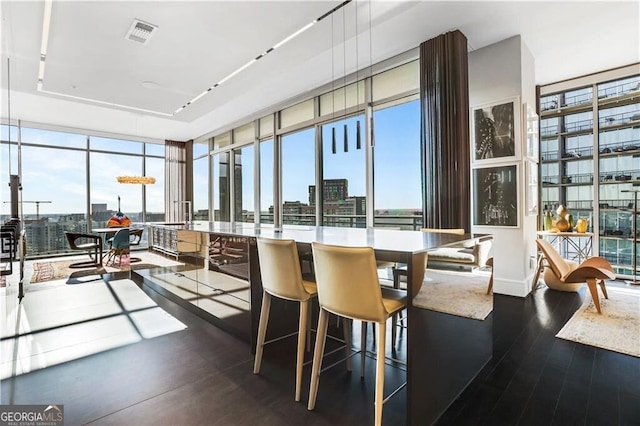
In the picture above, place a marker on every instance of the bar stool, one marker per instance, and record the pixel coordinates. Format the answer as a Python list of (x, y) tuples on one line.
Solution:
[(348, 286), (282, 278)]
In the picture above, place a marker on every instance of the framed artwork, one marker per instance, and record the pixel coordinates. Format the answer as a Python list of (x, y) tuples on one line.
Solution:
[(495, 196), (531, 176), (531, 132), (496, 131)]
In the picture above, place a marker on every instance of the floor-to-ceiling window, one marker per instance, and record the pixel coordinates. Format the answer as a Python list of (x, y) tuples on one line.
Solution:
[(298, 177), (396, 166), (221, 187), (107, 194), (69, 183), (590, 148), (201, 180), (344, 173), (243, 164), (266, 181), (54, 197)]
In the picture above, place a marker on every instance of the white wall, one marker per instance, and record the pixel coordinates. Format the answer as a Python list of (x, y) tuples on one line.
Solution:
[(499, 72)]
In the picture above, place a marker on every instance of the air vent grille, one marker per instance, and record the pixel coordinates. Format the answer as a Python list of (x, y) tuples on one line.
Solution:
[(141, 31)]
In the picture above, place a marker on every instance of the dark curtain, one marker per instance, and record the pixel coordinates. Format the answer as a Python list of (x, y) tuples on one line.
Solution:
[(444, 101), (178, 185)]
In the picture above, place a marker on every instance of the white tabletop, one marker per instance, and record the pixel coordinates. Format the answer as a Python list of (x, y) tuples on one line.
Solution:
[(378, 238)]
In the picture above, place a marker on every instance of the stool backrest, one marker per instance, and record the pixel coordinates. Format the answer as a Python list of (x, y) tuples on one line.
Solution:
[(347, 281), (280, 269)]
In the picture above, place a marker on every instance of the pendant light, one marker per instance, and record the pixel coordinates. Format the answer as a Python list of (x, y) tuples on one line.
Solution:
[(333, 140), (346, 139)]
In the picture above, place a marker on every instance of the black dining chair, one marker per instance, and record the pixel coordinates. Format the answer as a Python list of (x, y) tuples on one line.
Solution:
[(90, 243)]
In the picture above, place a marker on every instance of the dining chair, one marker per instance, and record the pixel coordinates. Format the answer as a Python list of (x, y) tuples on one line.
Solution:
[(119, 246), (348, 286), (90, 243)]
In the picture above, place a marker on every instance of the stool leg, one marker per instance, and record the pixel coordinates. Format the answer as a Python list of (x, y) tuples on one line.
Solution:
[(394, 330), (346, 326), (302, 336), (310, 310), (363, 347), (262, 330), (490, 287), (321, 335), (382, 330)]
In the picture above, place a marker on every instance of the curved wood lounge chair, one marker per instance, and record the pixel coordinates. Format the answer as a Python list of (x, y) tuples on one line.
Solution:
[(592, 271)]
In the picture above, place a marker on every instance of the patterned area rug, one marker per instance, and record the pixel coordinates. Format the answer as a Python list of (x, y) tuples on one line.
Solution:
[(58, 270), (455, 293), (616, 329)]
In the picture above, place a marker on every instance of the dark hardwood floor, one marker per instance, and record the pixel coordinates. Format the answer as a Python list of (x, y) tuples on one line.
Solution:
[(202, 375), (535, 378)]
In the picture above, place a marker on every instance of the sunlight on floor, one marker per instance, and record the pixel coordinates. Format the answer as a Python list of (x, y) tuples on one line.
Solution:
[(62, 322)]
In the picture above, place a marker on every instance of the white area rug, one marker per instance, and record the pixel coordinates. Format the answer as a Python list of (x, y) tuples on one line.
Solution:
[(616, 329), (456, 293)]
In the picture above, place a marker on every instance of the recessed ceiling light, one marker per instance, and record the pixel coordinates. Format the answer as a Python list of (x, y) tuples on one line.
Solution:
[(150, 85)]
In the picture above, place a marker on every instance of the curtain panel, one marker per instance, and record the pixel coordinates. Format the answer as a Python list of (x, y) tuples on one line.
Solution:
[(178, 187), (444, 132)]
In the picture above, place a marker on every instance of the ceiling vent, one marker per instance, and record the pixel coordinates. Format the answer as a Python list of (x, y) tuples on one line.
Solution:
[(141, 31)]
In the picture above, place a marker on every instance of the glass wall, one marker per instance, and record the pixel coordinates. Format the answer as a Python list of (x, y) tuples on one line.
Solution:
[(344, 174), (154, 194), (201, 180), (58, 206), (288, 166), (266, 181), (581, 132), (109, 196), (396, 166), (59, 169), (221, 187), (298, 178), (243, 166)]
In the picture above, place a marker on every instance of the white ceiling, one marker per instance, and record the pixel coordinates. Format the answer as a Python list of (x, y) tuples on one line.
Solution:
[(94, 76)]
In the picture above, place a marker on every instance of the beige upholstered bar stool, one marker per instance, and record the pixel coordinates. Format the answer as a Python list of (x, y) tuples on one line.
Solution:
[(348, 286), (282, 277)]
